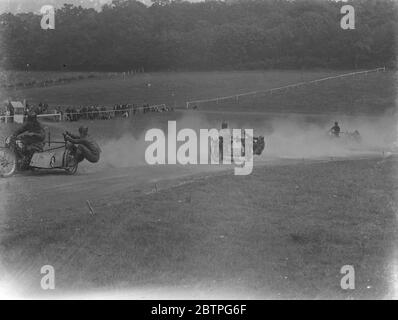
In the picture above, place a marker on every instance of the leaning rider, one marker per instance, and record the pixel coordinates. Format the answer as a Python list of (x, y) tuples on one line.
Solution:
[(32, 134), (335, 130), (83, 146)]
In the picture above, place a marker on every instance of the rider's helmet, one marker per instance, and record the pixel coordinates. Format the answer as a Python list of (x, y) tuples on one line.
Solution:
[(224, 125), (336, 123)]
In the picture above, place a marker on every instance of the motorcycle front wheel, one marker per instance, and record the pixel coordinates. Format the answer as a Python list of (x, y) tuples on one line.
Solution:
[(8, 163)]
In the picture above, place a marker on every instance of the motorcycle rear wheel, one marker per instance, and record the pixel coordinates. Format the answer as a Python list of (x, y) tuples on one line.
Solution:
[(8, 163)]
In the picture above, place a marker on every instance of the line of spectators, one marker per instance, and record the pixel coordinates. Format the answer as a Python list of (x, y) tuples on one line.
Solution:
[(107, 113)]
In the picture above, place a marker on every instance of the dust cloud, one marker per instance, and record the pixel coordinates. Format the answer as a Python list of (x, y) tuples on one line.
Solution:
[(126, 151), (296, 137), (286, 136)]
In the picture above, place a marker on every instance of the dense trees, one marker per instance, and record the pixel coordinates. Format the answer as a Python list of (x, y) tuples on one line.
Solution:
[(175, 35)]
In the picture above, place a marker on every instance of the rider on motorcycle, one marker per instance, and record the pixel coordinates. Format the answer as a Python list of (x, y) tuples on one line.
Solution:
[(335, 130), (83, 146), (32, 134)]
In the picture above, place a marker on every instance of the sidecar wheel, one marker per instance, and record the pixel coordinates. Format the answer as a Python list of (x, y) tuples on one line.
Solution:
[(8, 163), (69, 169)]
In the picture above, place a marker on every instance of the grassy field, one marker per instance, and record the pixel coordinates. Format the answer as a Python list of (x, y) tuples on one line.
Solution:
[(370, 94), (164, 88), (373, 94), (36, 78)]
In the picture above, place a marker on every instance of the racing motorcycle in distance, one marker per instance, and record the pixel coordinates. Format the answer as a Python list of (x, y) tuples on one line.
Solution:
[(258, 145), (14, 157), (217, 147), (346, 136)]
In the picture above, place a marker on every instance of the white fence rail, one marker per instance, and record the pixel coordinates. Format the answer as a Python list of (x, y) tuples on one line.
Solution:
[(294, 85)]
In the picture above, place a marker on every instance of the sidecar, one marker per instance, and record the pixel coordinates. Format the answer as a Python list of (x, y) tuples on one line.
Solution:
[(53, 159), (12, 158)]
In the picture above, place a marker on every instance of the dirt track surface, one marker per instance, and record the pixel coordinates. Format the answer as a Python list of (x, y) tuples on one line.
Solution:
[(44, 192)]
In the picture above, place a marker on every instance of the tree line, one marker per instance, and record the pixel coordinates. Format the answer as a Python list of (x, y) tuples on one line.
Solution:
[(211, 35)]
